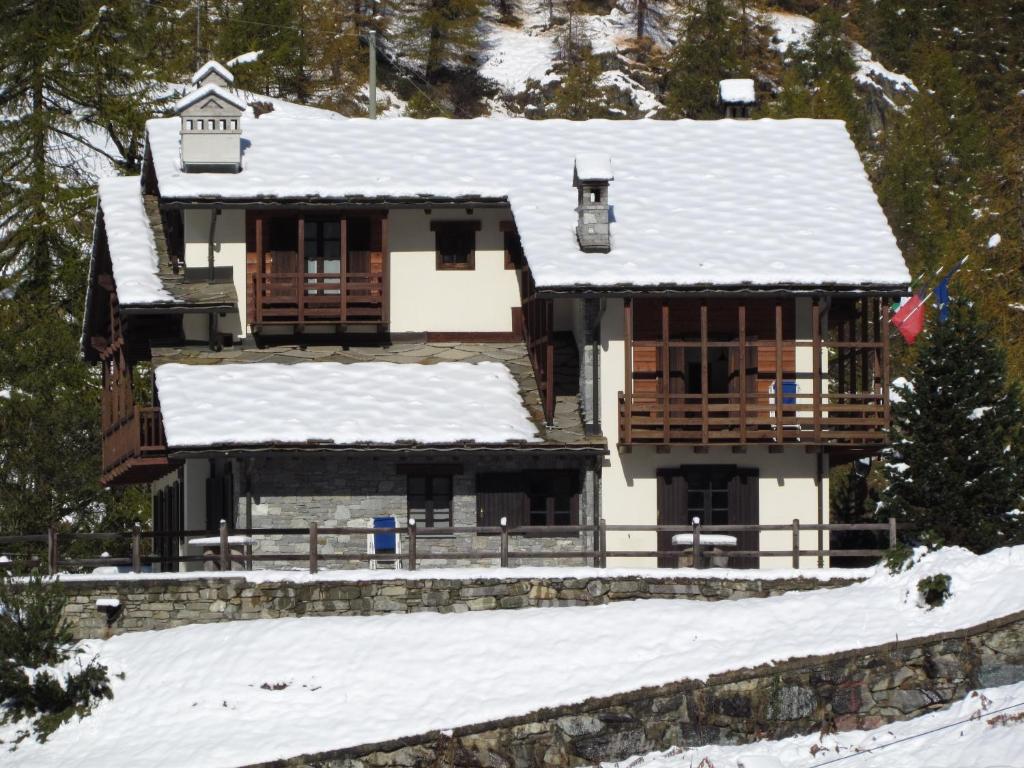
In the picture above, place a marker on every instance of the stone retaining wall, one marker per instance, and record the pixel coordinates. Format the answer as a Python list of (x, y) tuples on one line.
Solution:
[(160, 603), (864, 688)]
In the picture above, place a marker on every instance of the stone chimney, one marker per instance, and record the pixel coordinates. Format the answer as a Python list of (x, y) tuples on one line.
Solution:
[(591, 176), (211, 123), (737, 97)]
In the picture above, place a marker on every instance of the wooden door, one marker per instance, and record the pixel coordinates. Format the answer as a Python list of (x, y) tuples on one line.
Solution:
[(498, 495), (672, 494)]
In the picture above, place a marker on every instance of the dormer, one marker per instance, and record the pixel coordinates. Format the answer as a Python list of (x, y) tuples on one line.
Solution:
[(737, 97), (211, 123), (591, 176)]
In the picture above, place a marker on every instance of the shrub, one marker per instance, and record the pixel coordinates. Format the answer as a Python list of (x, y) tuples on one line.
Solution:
[(897, 558), (934, 589), (33, 634)]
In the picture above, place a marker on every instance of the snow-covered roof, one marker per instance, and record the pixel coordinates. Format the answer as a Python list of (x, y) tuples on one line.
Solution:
[(199, 94), (343, 404), (133, 255), (593, 166), (213, 66), (759, 202), (737, 91)]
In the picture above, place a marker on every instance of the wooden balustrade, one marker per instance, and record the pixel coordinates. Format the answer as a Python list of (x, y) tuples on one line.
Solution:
[(298, 298)]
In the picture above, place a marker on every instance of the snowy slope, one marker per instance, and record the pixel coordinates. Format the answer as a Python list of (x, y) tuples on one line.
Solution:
[(977, 731), (195, 696)]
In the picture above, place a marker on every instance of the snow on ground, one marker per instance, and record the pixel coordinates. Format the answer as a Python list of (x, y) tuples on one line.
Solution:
[(243, 692), (793, 30), (517, 54), (341, 403), (974, 732), (476, 574)]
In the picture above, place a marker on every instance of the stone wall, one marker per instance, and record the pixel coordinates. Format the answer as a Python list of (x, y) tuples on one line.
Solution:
[(864, 689), (290, 492), (160, 603)]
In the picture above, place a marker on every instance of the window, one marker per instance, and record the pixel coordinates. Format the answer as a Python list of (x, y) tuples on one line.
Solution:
[(707, 496), (223, 125), (534, 498), (188, 125), (429, 499), (234, 125), (199, 125), (455, 243)]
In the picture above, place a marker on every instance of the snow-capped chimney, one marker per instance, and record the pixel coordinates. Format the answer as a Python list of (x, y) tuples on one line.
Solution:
[(211, 123), (591, 175), (737, 97)]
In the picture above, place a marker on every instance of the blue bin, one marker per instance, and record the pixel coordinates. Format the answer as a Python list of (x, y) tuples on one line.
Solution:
[(384, 542)]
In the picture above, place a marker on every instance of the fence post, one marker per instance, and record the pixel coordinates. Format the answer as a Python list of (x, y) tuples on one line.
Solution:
[(51, 550), (504, 542), (412, 544), (892, 533), (698, 559), (314, 548), (602, 527), (796, 542), (137, 548), (225, 553)]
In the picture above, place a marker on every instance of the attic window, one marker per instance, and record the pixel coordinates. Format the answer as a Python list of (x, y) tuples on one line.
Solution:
[(455, 243)]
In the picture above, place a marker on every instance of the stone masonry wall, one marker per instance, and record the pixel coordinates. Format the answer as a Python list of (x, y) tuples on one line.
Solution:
[(160, 603), (338, 492), (863, 689)]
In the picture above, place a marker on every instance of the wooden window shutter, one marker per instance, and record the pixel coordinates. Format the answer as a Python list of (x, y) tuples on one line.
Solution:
[(743, 510), (498, 495), (672, 489)]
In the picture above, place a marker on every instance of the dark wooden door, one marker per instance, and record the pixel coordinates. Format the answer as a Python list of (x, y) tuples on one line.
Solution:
[(672, 488), (498, 495)]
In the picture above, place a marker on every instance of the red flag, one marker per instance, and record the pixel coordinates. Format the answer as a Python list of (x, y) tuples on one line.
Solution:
[(909, 318)]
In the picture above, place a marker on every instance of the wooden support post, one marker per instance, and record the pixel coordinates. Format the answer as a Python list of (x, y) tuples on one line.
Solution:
[(892, 533), (796, 542), (602, 543), (816, 366), (343, 232), (549, 368), (627, 326), (504, 542), (704, 426), (314, 547), (865, 373), (886, 406), (137, 548), (52, 547), (412, 543), (778, 372), (665, 376), (698, 559), (225, 553), (742, 383)]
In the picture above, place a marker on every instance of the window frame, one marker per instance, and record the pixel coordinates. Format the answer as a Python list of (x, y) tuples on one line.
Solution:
[(425, 516), (455, 227)]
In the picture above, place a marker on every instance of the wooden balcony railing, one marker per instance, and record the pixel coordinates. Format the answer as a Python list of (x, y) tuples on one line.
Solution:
[(828, 418), (298, 298), (135, 448)]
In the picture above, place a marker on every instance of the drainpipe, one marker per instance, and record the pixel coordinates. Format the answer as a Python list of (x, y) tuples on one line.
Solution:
[(213, 233)]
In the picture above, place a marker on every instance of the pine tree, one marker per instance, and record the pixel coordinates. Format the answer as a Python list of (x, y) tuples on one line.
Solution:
[(443, 36), (578, 95), (955, 467)]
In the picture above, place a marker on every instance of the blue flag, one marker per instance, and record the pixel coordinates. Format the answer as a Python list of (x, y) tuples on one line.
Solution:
[(942, 298)]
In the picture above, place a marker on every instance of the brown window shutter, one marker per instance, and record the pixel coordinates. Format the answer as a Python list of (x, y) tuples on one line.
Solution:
[(672, 488), (743, 510), (498, 495)]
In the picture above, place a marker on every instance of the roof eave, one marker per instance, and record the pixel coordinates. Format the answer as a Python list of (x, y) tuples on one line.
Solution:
[(388, 449), (737, 290)]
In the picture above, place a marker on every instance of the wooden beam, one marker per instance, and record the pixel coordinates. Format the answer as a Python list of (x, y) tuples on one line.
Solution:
[(300, 303), (627, 333), (665, 374), (257, 300), (663, 448), (816, 365), (343, 255), (778, 372), (886, 405), (865, 305), (386, 267), (704, 428), (742, 324)]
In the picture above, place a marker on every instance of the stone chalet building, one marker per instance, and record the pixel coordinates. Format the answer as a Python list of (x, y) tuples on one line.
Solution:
[(301, 317)]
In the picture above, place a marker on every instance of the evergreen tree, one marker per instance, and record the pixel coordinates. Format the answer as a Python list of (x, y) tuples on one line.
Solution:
[(578, 95), (443, 36), (955, 467)]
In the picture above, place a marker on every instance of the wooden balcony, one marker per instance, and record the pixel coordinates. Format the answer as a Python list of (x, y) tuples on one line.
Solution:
[(135, 448), (301, 298), (736, 372)]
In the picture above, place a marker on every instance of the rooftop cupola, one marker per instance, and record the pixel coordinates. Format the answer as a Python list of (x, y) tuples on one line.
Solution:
[(591, 176), (737, 97), (211, 123)]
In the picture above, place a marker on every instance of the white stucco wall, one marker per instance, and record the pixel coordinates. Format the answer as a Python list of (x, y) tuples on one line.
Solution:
[(424, 298), (629, 490), (228, 251)]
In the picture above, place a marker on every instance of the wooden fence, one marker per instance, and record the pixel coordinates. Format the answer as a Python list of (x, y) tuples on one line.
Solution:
[(229, 552)]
